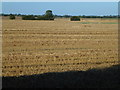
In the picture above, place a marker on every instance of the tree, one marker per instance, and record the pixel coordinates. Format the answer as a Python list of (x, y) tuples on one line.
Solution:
[(49, 15), (12, 16), (75, 18)]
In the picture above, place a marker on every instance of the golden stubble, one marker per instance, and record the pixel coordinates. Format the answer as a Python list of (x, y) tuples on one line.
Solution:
[(35, 47)]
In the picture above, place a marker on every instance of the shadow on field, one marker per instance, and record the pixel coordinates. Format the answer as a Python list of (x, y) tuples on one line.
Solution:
[(100, 78)]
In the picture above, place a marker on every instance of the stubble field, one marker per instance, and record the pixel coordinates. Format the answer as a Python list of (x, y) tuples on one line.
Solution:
[(36, 47)]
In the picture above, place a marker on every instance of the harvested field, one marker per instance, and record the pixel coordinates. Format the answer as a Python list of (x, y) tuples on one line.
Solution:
[(36, 47)]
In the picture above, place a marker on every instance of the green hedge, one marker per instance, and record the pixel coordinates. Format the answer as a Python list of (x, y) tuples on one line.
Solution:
[(31, 17), (12, 17), (44, 18), (28, 17), (75, 18)]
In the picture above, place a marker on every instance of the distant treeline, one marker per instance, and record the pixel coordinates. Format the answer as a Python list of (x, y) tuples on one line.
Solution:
[(83, 16), (61, 16), (47, 16)]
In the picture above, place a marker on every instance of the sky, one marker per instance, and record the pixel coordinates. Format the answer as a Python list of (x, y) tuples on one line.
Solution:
[(60, 0), (61, 8)]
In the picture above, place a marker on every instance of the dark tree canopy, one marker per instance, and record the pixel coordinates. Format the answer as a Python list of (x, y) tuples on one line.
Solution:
[(49, 15), (12, 16), (75, 18), (49, 12)]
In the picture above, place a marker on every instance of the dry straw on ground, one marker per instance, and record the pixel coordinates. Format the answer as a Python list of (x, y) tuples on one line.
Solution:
[(35, 47)]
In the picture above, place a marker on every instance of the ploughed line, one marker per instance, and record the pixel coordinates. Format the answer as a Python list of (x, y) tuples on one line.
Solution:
[(45, 65), (27, 50)]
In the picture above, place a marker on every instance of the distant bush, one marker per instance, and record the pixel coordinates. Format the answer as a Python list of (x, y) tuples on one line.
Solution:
[(28, 17), (44, 18), (48, 18), (75, 18), (12, 16), (40, 17)]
